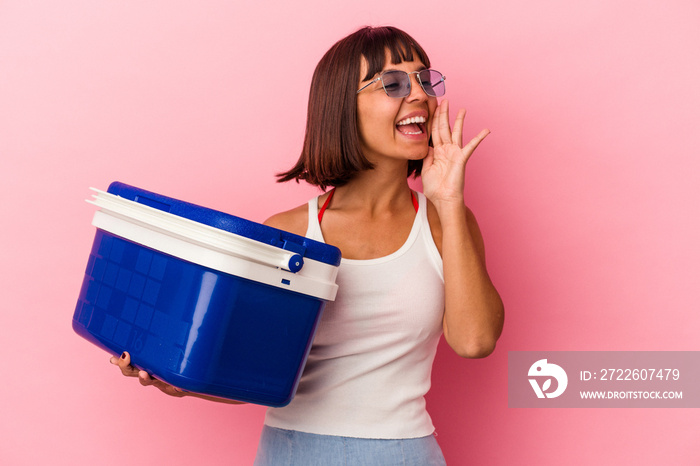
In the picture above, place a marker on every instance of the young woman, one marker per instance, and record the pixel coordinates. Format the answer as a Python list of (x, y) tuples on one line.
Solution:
[(413, 263)]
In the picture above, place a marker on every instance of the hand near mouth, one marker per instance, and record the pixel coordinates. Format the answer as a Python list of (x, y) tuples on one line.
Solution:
[(444, 166)]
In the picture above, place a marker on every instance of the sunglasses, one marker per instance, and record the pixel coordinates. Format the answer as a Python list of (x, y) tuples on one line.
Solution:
[(397, 83)]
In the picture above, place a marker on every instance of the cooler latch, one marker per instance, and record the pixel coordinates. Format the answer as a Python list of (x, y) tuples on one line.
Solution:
[(296, 262)]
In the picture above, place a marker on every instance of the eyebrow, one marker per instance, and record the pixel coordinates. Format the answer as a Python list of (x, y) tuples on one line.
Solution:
[(421, 68), (377, 74)]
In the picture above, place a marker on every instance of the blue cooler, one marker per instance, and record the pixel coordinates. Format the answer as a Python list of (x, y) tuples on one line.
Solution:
[(206, 301)]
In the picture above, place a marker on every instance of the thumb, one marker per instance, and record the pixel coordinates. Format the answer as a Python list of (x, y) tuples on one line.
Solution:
[(428, 160), (124, 364)]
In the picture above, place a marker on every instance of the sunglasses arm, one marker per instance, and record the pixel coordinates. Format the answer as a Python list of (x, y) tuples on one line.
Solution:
[(369, 84)]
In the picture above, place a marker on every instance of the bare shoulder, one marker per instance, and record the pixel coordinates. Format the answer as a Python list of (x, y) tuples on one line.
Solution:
[(294, 221), (436, 227)]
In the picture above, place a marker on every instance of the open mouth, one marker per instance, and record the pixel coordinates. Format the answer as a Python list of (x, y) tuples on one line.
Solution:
[(411, 126)]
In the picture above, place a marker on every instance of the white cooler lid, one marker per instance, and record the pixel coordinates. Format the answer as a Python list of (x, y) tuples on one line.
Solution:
[(212, 247)]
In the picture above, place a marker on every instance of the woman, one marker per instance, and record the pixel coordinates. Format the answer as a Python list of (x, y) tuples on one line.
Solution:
[(413, 264)]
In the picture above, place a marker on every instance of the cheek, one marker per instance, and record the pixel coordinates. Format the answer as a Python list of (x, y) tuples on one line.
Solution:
[(432, 107), (367, 129), (376, 123)]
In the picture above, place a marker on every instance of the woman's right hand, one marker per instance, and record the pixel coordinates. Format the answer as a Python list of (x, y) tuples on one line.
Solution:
[(124, 363)]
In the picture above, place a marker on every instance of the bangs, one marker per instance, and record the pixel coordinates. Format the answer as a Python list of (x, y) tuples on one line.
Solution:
[(401, 47)]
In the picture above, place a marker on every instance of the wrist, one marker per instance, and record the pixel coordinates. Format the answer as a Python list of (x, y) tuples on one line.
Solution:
[(447, 197), (449, 206)]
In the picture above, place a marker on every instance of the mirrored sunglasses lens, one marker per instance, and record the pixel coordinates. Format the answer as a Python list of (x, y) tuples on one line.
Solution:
[(432, 82), (396, 83)]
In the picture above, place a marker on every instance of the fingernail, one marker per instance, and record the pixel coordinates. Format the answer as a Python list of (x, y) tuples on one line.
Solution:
[(124, 355)]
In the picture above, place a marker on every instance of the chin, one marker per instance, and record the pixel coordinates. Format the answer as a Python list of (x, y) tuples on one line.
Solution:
[(418, 155)]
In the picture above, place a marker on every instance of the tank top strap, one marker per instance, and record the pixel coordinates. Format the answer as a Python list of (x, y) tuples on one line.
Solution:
[(427, 234), (313, 228)]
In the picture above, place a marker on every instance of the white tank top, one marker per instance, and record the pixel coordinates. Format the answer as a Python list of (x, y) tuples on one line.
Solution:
[(370, 363)]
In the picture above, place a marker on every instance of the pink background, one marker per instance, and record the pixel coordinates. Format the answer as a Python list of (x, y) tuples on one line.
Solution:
[(586, 192)]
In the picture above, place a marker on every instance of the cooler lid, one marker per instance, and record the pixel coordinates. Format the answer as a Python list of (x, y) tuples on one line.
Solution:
[(306, 247)]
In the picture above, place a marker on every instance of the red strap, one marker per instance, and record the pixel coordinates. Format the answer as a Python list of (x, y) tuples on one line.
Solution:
[(325, 205), (415, 200), (328, 201)]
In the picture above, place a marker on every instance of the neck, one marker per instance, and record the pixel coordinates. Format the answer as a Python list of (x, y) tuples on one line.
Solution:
[(378, 190)]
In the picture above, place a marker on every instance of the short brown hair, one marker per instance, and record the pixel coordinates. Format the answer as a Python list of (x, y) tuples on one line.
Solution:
[(331, 155)]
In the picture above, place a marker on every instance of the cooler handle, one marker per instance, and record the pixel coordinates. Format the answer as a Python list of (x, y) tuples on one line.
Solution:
[(196, 232)]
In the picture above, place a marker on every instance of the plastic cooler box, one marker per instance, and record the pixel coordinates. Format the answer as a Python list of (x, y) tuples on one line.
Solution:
[(203, 300)]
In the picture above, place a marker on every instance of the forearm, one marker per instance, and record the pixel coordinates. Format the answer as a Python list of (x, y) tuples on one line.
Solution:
[(473, 317)]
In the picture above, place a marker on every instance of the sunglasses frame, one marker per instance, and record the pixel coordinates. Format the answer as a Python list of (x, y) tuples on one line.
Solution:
[(379, 78)]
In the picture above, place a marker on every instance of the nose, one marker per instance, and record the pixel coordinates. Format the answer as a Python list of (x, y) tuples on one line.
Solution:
[(417, 92)]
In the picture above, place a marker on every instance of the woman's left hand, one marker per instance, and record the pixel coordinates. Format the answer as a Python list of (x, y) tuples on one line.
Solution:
[(444, 166), (473, 318)]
